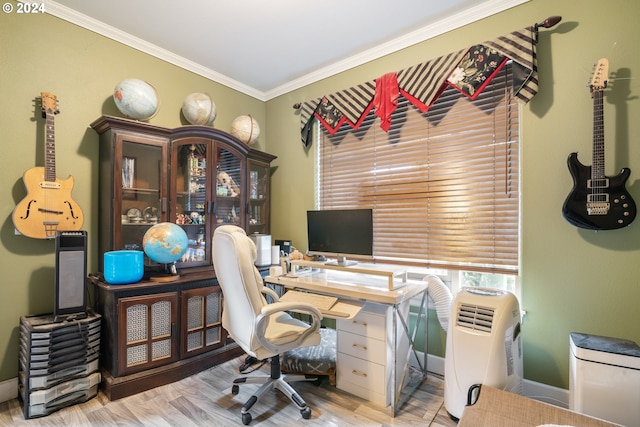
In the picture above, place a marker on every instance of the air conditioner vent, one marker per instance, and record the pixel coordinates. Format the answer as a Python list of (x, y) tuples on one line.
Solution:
[(475, 317)]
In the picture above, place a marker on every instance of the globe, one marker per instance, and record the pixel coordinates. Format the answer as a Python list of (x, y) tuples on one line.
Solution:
[(165, 242), (199, 109), (246, 129), (136, 99)]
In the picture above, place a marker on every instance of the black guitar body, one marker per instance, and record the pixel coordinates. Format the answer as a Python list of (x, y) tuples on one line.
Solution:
[(621, 207)]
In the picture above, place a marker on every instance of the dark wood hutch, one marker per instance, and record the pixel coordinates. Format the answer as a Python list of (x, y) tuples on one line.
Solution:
[(159, 331)]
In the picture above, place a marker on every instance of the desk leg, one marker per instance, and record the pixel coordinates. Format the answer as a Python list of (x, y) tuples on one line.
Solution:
[(408, 378)]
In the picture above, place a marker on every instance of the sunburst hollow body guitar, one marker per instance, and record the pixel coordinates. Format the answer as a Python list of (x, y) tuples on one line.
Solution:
[(598, 202), (48, 206)]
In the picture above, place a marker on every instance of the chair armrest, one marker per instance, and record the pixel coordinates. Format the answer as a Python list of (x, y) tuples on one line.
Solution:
[(283, 307), (270, 292)]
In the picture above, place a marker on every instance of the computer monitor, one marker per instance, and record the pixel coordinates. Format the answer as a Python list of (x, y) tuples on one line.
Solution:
[(340, 233)]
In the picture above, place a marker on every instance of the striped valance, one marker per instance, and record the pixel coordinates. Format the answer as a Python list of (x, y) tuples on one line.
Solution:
[(468, 70)]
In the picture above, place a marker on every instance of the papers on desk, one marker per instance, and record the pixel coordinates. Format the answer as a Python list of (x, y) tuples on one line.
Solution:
[(329, 306)]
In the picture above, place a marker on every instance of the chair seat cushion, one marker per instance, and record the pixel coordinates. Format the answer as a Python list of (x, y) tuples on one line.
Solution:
[(315, 360)]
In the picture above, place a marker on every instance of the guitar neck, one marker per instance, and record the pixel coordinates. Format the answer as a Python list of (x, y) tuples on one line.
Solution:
[(597, 165), (50, 149)]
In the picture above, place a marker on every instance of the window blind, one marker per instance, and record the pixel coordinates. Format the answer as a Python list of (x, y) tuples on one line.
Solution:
[(443, 185)]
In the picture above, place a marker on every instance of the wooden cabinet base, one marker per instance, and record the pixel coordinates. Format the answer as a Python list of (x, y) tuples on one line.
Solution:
[(117, 388)]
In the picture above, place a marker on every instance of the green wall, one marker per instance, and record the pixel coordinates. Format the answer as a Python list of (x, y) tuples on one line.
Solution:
[(572, 280), (42, 53)]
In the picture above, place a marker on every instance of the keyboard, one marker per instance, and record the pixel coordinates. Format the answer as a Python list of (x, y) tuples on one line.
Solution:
[(321, 302)]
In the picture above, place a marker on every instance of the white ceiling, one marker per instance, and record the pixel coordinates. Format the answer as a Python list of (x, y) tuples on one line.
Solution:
[(265, 48)]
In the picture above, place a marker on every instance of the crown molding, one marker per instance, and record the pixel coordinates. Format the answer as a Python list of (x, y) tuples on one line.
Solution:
[(84, 21), (465, 17), (443, 26)]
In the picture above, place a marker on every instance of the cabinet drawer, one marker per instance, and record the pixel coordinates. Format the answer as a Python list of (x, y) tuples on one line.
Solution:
[(364, 379), (365, 323), (363, 347), (369, 395)]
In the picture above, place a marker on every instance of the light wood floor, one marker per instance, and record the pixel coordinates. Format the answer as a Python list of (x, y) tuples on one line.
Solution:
[(205, 399)]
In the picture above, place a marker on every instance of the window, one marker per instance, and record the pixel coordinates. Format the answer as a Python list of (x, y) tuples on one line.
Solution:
[(443, 185)]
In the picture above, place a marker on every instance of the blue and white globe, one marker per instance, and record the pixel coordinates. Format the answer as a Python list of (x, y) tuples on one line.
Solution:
[(165, 243), (136, 99), (199, 109)]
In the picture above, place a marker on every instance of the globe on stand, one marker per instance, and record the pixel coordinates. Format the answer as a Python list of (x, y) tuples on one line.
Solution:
[(199, 109), (136, 99), (165, 243), (246, 129)]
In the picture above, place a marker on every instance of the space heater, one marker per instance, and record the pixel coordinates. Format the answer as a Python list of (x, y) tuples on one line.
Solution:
[(483, 345)]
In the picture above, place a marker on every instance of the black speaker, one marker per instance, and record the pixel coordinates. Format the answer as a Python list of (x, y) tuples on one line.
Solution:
[(71, 275)]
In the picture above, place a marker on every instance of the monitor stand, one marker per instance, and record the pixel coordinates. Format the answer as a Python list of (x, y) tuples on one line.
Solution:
[(341, 261)]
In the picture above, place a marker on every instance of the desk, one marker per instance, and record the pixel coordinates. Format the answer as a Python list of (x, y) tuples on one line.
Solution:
[(499, 408), (375, 347)]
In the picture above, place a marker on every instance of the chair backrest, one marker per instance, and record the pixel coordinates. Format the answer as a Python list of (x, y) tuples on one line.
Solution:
[(234, 255)]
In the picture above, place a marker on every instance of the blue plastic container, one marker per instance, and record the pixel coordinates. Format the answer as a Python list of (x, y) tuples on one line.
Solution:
[(123, 267)]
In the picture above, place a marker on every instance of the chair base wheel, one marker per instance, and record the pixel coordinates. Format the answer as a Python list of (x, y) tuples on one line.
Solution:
[(235, 389), (306, 413), (246, 418)]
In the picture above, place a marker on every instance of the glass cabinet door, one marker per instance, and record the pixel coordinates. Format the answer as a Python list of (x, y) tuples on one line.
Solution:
[(229, 205), (140, 183), (258, 198), (194, 176), (192, 198)]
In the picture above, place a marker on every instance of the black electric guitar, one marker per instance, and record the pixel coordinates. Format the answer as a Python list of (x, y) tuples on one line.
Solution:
[(598, 202), (48, 206)]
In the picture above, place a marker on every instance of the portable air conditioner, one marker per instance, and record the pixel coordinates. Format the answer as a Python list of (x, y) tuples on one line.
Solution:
[(483, 345)]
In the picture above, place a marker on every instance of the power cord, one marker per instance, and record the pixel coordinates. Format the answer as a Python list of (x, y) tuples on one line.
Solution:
[(253, 363)]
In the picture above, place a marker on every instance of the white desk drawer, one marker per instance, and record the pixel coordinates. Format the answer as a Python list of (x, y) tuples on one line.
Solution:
[(365, 323), (363, 347), (363, 374), (367, 394)]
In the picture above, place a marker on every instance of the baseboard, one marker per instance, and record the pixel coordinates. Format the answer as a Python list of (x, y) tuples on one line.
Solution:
[(8, 389), (545, 393), (435, 364), (542, 392)]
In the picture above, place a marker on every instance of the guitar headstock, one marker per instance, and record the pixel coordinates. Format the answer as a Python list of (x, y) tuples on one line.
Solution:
[(49, 104), (600, 74)]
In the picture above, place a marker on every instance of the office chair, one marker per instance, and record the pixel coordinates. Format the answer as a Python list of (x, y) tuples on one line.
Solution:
[(262, 330)]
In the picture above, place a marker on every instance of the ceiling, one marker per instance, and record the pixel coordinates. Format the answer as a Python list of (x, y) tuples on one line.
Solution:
[(267, 48)]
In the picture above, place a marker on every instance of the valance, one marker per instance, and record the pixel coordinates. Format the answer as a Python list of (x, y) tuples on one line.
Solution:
[(468, 70)]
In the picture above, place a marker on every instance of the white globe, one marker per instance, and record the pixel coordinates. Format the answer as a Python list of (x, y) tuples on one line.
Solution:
[(136, 99), (246, 129), (199, 109)]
